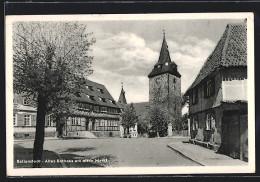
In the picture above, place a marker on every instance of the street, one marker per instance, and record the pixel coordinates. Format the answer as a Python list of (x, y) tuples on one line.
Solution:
[(117, 152)]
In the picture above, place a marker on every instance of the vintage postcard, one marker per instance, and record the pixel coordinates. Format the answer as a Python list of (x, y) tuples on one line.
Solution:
[(130, 94)]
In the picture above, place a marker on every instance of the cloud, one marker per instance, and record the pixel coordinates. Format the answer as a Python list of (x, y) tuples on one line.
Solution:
[(126, 57), (124, 53)]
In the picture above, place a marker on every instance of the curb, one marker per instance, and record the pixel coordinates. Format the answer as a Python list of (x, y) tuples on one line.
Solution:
[(185, 156)]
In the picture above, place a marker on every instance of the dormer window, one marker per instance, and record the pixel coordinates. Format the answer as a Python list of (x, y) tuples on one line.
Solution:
[(90, 97), (25, 102), (102, 99), (90, 88), (78, 94), (101, 90), (113, 102)]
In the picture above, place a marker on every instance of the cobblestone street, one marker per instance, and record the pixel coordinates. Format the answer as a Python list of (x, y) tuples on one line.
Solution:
[(120, 152)]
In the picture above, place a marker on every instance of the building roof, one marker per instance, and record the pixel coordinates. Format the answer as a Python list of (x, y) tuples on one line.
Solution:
[(97, 94), (141, 109), (230, 51), (164, 64)]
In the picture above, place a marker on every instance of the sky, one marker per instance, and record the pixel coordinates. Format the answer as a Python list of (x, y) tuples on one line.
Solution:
[(126, 51)]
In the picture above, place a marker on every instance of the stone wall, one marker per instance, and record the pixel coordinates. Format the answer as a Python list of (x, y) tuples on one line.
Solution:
[(165, 90), (29, 132)]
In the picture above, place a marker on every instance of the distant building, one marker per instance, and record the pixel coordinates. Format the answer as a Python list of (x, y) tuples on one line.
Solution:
[(165, 85), (218, 96), (24, 118), (122, 103)]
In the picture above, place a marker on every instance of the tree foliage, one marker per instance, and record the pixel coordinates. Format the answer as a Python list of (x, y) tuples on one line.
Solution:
[(159, 119), (51, 60), (129, 117)]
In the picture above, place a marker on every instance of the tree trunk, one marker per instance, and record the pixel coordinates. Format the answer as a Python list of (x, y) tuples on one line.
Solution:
[(158, 134), (40, 129)]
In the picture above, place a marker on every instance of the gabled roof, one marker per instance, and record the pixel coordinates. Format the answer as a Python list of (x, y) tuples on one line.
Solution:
[(95, 93), (230, 51), (141, 108), (164, 64)]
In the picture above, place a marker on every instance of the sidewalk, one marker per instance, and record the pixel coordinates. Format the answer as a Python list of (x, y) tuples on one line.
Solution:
[(203, 156)]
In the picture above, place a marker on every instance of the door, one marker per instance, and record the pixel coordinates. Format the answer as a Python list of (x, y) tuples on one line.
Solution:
[(231, 135)]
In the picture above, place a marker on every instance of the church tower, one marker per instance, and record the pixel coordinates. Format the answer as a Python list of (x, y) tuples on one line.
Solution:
[(165, 84)]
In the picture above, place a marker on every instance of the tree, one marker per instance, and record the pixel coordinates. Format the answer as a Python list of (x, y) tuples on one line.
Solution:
[(50, 62), (159, 119), (129, 117), (142, 125)]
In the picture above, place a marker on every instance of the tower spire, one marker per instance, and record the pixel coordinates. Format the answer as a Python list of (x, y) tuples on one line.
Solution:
[(164, 53), (122, 98), (164, 64)]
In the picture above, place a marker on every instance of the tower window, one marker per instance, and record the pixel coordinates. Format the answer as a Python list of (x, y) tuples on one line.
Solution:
[(166, 63), (174, 80)]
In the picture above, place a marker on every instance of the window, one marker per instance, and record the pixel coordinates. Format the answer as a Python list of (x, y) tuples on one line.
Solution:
[(90, 97), (25, 102), (210, 121), (209, 88), (174, 80), (166, 63), (108, 125), (96, 108), (27, 120), (75, 120), (50, 120), (78, 120), (113, 102), (14, 120), (101, 90), (195, 96), (77, 94), (195, 123), (103, 109), (80, 106), (90, 88)]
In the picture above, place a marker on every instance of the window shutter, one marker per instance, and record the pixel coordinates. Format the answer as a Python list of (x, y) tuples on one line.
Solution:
[(33, 120), (20, 120), (46, 120)]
